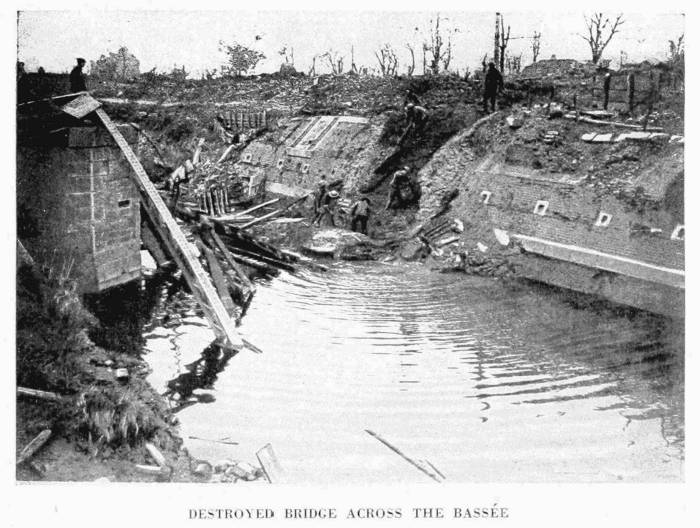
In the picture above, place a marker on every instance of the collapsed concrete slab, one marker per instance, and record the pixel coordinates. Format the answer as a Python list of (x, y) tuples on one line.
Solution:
[(292, 159)]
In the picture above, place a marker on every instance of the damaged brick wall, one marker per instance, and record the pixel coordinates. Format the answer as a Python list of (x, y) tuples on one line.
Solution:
[(78, 207)]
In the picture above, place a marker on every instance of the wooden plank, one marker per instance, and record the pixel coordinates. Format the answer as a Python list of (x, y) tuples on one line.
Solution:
[(81, 106), (261, 219), (217, 276), (39, 394), (229, 258), (248, 211), (407, 459), (270, 464), (181, 250)]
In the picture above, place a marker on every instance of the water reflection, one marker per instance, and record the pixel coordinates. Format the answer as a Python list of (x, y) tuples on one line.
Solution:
[(490, 381), (190, 386)]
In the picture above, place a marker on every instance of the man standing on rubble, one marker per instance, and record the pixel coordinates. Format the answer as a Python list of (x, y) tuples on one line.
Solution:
[(493, 84), (77, 77), (360, 215)]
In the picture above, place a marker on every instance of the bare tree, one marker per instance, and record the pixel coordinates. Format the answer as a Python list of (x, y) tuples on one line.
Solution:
[(535, 45), (335, 61), (411, 67), (387, 59), (440, 51), (353, 66), (288, 55), (676, 49), (503, 43), (601, 30)]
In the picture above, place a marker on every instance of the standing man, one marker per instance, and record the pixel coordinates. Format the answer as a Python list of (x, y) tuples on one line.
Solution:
[(77, 78), (320, 194), (360, 215), (493, 84)]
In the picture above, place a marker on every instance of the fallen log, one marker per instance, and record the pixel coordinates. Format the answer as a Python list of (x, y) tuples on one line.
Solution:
[(260, 266), (156, 454), (151, 470), (267, 260), (39, 394), (235, 237), (32, 447), (231, 261)]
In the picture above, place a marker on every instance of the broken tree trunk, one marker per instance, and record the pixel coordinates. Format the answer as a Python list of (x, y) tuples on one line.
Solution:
[(32, 447)]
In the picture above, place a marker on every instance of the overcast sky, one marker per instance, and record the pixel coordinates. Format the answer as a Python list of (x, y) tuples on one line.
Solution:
[(162, 39)]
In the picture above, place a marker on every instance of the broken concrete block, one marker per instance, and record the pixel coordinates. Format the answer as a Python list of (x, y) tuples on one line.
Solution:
[(243, 470), (482, 247), (680, 140), (502, 237), (638, 136), (121, 374), (588, 137), (602, 138), (202, 469)]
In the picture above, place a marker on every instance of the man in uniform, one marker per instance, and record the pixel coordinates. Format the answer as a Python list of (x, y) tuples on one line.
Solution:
[(77, 78), (493, 83), (360, 215)]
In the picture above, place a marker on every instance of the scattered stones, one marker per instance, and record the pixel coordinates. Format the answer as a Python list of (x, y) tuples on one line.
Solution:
[(202, 469), (514, 122)]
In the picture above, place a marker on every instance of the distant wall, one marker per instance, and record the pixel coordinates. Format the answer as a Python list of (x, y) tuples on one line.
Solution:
[(77, 207), (293, 158)]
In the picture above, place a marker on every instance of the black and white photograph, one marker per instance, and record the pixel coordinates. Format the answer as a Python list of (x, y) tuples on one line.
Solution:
[(421, 247)]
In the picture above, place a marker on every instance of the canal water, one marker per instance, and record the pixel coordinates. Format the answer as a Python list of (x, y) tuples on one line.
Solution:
[(487, 381)]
